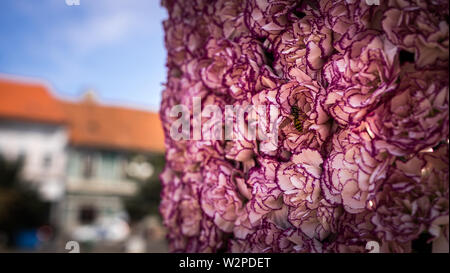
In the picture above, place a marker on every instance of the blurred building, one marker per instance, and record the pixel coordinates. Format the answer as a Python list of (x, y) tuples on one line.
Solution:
[(33, 127), (83, 156)]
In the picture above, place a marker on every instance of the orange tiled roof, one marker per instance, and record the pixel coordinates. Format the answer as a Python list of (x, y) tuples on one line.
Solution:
[(90, 124), (108, 126), (28, 101)]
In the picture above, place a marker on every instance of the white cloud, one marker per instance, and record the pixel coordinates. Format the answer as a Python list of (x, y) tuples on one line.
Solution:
[(107, 23), (96, 32)]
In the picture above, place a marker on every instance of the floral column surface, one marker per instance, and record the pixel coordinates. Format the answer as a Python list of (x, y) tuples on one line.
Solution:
[(362, 145)]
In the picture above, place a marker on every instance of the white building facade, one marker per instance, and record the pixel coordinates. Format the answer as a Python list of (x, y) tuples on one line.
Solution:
[(43, 149)]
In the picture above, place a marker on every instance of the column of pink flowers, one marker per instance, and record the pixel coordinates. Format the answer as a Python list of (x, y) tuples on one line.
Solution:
[(370, 159)]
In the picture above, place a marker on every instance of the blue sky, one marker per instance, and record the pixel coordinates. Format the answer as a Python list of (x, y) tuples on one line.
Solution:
[(115, 47)]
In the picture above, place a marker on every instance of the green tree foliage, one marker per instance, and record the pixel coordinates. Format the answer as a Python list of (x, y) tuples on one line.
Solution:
[(20, 205), (147, 199)]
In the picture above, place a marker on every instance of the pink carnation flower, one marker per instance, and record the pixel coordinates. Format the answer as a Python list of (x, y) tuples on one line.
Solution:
[(419, 27), (357, 79), (353, 171), (416, 117)]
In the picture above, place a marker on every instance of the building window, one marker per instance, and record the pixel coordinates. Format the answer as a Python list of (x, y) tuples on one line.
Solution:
[(75, 164), (87, 215), (107, 167), (88, 166)]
